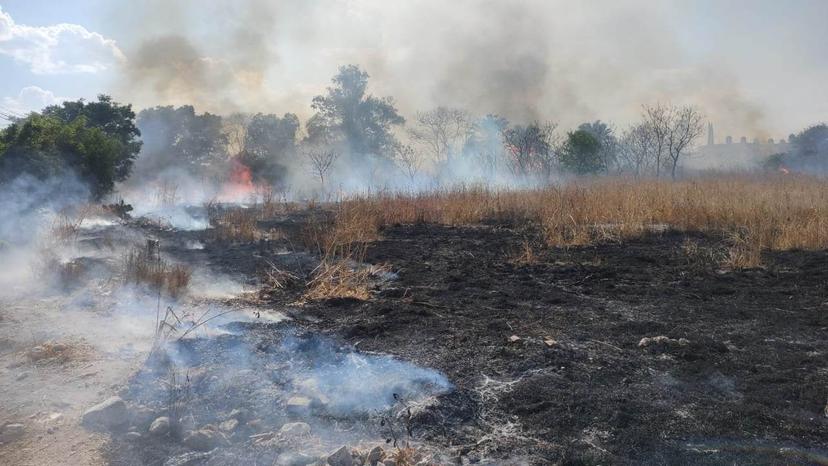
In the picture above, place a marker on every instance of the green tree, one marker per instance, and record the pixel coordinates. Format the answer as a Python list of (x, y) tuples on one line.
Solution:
[(179, 137), (46, 147), (810, 147), (113, 119), (347, 114), (582, 153), (269, 143)]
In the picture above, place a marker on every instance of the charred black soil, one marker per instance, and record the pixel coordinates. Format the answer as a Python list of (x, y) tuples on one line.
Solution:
[(747, 384), (555, 359)]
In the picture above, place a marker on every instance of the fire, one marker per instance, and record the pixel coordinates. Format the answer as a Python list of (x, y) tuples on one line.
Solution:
[(240, 185)]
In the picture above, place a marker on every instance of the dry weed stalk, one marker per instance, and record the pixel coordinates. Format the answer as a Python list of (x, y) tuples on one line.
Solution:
[(143, 266)]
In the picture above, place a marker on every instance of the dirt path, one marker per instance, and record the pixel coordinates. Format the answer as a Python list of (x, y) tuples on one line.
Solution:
[(56, 362)]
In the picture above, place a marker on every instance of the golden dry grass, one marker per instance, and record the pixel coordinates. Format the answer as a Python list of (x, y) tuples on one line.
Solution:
[(783, 212), (141, 267)]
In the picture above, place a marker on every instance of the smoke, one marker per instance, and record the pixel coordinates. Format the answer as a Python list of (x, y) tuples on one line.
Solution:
[(527, 60)]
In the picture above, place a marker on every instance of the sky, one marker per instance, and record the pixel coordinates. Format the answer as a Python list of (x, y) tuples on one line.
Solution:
[(756, 68)]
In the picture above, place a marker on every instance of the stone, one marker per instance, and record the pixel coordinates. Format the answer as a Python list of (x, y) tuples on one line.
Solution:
[(294, 459), (298, 405), (550, 342), (12, 432), (341, 457), (514, 339), (229, 425), (662, 340), (375, 455), (160, 426), (204, 439), (132, 436), (108, 414), (295, 429)]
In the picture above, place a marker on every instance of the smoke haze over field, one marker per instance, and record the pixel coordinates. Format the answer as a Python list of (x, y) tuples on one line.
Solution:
[(564, 61)]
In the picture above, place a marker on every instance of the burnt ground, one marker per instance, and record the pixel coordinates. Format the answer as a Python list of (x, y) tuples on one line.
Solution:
[(747, 385)]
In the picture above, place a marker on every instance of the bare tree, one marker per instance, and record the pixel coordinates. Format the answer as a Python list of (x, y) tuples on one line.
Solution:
[(443, 131), (531, 148), (658, 120), (687, 125), (637, 151), (321, 160), (674, 130), (408, 160)]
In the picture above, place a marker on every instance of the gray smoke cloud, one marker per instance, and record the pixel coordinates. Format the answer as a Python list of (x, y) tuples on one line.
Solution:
[(563, 61)]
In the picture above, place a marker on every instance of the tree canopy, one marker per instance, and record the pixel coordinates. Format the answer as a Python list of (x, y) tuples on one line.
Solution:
[(347, 115), (581, 153), (181, 137), (47, 147)]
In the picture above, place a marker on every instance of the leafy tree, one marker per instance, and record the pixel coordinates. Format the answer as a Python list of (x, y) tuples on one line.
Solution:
[(113, 119), (606, 137), (582, 153), (47, 147), (810, 147), (347, 115), (268, 144), (180, 137)]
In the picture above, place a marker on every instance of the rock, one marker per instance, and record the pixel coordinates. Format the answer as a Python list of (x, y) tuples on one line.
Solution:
[(375, 455), (229, 425), (295, 429), (255, 424), (662, 340), (204, 439), (550, 342), (108, 414), (514, 339), (132, 436), (160, 426), (298, 405), (12, 432), (22, 376), (341, 457), (294, 459)]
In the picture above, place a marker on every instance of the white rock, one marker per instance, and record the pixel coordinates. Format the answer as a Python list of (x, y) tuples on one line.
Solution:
[(160, 426), (110, 413)]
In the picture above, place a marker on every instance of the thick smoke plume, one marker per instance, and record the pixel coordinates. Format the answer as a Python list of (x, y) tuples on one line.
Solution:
[(546, 60)]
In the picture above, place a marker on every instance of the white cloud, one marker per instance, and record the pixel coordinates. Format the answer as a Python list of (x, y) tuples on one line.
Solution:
[(31, 99), (58, 48)]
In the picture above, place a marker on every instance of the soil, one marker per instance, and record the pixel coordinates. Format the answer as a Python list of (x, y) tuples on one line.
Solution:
[(546, 359)]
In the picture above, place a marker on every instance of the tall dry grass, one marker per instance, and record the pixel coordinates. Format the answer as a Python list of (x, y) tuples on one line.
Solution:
[(779, 212)]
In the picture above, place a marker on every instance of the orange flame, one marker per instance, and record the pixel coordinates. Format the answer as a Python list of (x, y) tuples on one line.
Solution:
[(240, 185)]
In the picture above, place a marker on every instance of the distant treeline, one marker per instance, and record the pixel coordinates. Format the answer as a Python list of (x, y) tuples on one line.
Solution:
[(100, 142)]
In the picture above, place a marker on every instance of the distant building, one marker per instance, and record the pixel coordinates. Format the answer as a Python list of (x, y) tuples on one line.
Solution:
[(743, 154)]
